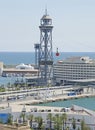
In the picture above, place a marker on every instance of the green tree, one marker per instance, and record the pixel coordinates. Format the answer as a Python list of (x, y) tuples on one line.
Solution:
[(50, 118), (10, 119), (64, 119), (78, 128), (1, 121), (23, 116), (39, 120), (67, 128), (84, 126), (31, 117), (74, 123), (57, 122)]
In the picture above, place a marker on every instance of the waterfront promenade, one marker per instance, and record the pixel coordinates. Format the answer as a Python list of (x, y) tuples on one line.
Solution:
[(56, 95)]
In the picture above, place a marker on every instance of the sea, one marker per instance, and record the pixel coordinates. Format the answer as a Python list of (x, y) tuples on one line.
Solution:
[(15, 58), (87, 102)]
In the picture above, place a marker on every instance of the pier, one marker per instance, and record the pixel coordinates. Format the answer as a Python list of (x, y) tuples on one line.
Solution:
[(43, 95)]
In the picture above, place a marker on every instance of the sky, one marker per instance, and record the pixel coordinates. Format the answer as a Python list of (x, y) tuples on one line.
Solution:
[(73, 21)]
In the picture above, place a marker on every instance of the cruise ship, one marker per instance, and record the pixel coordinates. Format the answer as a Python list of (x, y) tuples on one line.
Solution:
[(75, 70)]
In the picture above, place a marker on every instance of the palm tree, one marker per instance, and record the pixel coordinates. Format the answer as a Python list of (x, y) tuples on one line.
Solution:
[(87, 128), (39, 120), (67, 128), (1, 121), (57, 122), (84, 126), (50, 118), (23, 117), (31, 117), (10, 119), (74, 123), (64, 119), (78, 128)]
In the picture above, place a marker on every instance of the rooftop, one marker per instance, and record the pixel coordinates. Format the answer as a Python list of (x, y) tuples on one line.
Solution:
[(77, 60)]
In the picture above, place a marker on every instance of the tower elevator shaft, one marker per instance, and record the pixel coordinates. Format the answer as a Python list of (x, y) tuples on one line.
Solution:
[(45, 50)]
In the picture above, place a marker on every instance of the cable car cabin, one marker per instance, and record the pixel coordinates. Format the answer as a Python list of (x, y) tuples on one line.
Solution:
[(57, 53)]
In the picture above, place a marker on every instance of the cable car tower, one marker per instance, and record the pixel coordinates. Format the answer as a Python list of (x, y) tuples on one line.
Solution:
[(45, 50)]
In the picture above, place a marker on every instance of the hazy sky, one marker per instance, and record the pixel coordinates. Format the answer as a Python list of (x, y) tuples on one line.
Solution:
[(73, 21)]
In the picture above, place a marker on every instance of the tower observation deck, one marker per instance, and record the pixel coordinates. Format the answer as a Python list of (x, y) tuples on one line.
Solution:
[(45, 50)]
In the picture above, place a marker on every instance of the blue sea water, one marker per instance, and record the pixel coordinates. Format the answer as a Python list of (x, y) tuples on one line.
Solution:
[(9, 58), (13, 58), (88, 103)]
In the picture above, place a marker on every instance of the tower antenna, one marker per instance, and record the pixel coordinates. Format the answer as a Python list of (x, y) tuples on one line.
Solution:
[(46, 10)]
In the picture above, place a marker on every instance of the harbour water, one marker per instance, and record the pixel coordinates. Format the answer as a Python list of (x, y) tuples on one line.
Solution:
[(88, 102)]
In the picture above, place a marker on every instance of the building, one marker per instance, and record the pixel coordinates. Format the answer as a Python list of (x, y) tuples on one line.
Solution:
[(1, 67), (75, 70), (75, 112), (20, 70), (23, 66)]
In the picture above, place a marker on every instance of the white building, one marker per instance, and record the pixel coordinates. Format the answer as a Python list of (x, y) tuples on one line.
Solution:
[(23, 66), (75, 70)]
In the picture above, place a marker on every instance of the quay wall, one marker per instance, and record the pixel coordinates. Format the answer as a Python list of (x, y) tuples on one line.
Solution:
[(11, 127)]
